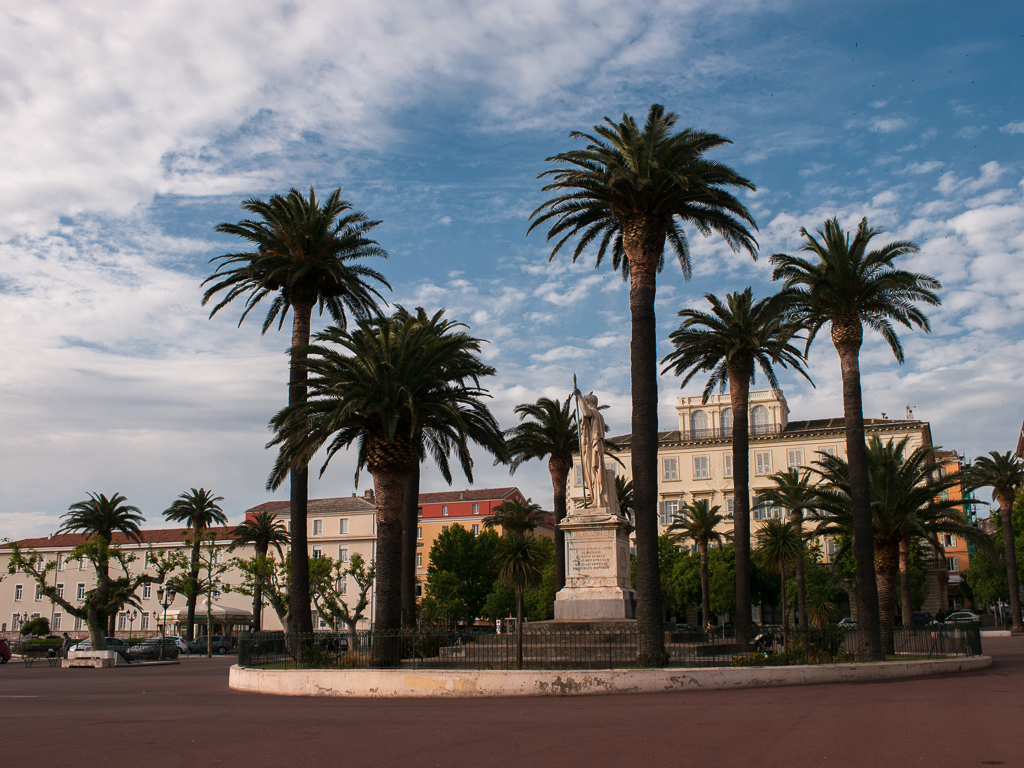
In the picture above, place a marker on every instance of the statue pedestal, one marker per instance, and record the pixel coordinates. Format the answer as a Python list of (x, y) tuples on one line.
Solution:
[(597, 583)]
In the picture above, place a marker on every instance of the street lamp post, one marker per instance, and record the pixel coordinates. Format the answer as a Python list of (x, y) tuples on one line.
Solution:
[(131, 621), (165, 597)]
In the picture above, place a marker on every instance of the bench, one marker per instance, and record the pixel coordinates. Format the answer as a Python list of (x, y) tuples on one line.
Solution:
[(30, 654)]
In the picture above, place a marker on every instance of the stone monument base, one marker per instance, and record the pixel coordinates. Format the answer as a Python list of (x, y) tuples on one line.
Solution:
[(597, 583)]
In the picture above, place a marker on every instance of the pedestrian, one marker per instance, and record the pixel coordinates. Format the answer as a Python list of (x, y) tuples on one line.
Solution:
[(66, 645), (940, 616)]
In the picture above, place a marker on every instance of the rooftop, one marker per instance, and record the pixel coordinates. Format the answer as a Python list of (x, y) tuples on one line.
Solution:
[(150, 536)]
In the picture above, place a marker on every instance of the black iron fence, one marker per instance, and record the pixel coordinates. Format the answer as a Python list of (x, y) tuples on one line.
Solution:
[(472, 649)]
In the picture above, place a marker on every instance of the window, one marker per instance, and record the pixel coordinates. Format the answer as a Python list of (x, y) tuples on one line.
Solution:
[(670, 469), (727, 463), (19, 592), (122, 621), (944, 494), (147, 591), (699, 425), (727, 422), (343, 554), (828, 450), (730, 507), (668, 511), (762, 511), (759, 419), (949, 540), (342, 586), (444, 510), (700, 468), (55, 624), (39, 593), (762, 463), (419, 559), (81, 564), (419, 532), (80, 594), (444, 528), (476, 509), (419, 511), (289, 524), (476, 530), (952, 563), (343, 525), (78, 623), (60, 590), (62, 564), (318, 527), (794, 458), (144, 621), (317, 553), (419, 590)]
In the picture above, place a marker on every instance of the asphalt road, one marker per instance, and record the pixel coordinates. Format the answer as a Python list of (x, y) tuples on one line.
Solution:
[(186, 715)]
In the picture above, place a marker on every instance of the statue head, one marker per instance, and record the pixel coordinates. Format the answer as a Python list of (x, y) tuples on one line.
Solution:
[(591, 400)]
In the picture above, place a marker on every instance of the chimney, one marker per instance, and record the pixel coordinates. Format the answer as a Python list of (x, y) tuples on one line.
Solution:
[(353, 495), (462, 495), (369, 494)]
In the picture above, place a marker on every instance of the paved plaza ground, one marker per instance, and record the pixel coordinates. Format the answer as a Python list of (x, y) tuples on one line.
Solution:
[(186, 715)]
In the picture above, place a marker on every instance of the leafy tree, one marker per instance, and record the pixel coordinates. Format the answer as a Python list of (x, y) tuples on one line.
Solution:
[(330, 590), (444, 600), (198, 510), (520, 563), (698, 522), (539, 601), (39, 626), (729, 343), (548, 428), (780, 546), (515, 516), (846, 286), (272, 578), (263, 531), (383, 387), (628, 191), (210, 581), (304, 254), (461, 575), (1004, 473), (822, 591), (685, 581)]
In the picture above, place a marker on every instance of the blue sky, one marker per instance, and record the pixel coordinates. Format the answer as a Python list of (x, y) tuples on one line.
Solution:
[(127, 134)]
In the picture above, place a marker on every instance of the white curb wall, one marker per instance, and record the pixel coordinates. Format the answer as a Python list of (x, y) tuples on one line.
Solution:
[(390, 683)]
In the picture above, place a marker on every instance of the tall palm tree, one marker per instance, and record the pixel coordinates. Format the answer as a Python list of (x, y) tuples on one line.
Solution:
[(780, 545), (629, 190), (547, 428), (907, 504), (848, 287), (698, 522), (383, 386), (730, 342), (793, 491), (263, 530), (198, 510), (515, 516), (520, 566), (1004, 473), (99, 518), (304, 254)]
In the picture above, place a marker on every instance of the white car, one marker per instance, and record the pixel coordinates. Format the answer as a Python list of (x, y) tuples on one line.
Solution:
[(963, 616), (179, 641)]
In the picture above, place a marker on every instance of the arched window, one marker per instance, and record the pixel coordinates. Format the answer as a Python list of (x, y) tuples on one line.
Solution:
[(759, 420), (699, 424), (727, 422)]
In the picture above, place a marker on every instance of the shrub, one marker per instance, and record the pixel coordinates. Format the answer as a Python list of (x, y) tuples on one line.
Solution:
[(39, 626)]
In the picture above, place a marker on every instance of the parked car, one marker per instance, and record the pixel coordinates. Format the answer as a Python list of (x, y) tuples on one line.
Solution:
[(848, 623), (923, 617), (963, 615), (113, 644), (156, 648), (179, 641), (5, 651), (220, 645)]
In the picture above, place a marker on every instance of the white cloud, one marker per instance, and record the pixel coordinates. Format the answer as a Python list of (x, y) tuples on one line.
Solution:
[(919, 169), (889, 124), (1012, 128), (971, 131)]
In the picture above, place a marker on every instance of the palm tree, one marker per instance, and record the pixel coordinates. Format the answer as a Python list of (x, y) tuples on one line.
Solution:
[(698, 522), (730, 342), (907, 504), (629, 191), (793, 491), (384, 387), (303, 253), (780, 544), (515, 516), (547, 428), (624, 493), (99, 518), (849, 287), (520, 566), (1005, 474), (263, 530), (198, 510)]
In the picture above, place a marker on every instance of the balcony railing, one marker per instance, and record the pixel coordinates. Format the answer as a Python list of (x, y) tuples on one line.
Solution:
[(719, 433)]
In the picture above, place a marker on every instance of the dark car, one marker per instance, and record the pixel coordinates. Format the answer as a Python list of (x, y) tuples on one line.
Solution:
[(5, 651), (150, 648), (220, 645), (113, 644), (922, 617)]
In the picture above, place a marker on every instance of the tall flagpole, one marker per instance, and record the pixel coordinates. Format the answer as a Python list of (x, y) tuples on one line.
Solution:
[(579, 433)]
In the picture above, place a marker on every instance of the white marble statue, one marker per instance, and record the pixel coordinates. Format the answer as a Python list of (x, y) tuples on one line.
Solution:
[(599, 481)]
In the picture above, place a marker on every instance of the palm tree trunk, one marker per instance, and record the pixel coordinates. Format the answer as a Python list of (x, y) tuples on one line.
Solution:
[(193, 587), (644, 242), (886, 568), (558, 468), (257, 593), (410, 521), (519, 627), (785, 611), (298, 594), (705, 584), (847, 336), (740, 371), (905, 597), (389, 485), (1005, 500), (797, 516)]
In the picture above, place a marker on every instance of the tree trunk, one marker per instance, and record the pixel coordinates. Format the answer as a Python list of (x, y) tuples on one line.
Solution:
[(906, 599), (389, 484), (209, 626), (740, 371), (1005, 500), (559, 468), (644, 242), (847, 336), (193, 587), (785, 612), (298, 596), (887, 558), (705, 584), (257, 593), (797, 516), (519, 627), (410, 521)]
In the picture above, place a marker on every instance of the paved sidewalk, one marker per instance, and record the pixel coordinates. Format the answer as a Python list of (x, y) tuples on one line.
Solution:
[(185, 715)]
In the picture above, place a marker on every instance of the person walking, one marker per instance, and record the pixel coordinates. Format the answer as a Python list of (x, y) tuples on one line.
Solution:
[(65, 646)]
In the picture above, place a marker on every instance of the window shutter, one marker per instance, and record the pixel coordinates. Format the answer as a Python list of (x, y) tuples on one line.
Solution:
[(661, 513), (728, 465), (794, 457)]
